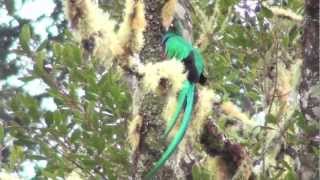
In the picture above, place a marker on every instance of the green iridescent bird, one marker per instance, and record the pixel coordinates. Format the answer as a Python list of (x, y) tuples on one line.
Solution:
[(177, 47)]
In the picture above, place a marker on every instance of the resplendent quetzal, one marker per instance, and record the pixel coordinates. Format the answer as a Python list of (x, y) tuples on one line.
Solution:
[(177, 47)]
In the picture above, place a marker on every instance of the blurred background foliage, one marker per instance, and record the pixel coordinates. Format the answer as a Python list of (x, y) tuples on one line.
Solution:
[(64, 110)]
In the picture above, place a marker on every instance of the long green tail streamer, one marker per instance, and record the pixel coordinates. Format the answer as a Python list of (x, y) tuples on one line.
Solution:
[(177, 139), (181, 100)]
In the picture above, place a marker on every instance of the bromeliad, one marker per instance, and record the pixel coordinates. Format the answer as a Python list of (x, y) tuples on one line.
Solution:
[(176, 47)]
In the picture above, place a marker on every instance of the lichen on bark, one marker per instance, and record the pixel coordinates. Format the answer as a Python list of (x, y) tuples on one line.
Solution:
[(153, 33), (309, 101), (148, 106)]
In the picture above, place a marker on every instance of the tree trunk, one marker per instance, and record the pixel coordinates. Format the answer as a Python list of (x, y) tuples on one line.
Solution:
[(151, 147), (202, 143), (227, 156), (309, 92)]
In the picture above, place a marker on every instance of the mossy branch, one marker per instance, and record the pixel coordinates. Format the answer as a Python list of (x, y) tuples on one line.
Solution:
[(95, 30), (285, 13)]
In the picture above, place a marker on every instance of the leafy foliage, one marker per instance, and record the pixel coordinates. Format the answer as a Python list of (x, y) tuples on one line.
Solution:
[(86, 128)]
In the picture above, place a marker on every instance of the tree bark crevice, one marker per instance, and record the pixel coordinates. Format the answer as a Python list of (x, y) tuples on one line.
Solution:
[(309, 100)]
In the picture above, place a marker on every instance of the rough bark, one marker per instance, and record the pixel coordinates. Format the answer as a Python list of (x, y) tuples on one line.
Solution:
[(153, 33), (147, 124), (151, 147), (233, 154), (181, 164), (310, 104), (309, 91)]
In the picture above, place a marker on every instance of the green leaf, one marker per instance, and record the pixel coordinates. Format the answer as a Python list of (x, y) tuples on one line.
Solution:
[(1, 134), (57, 50), (23, 140), (89, 162), (76, 135), (253, 95), (49, 174), (286, 41), (40, 56), (71, 55), (98, 143), (271, 119), (224, 4), (31, 104), (293, 33), (290, 175), (56, 94), (25, 36), (77, 54), (16, 155), (36, 157), (266, 12), (48, 117), (199, 173), (43, 45), (27, 78)]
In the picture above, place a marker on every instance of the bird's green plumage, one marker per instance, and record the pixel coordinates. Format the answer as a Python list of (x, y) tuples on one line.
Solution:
[(180, 49), (181, 99), (180, 134), (177, 47)]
